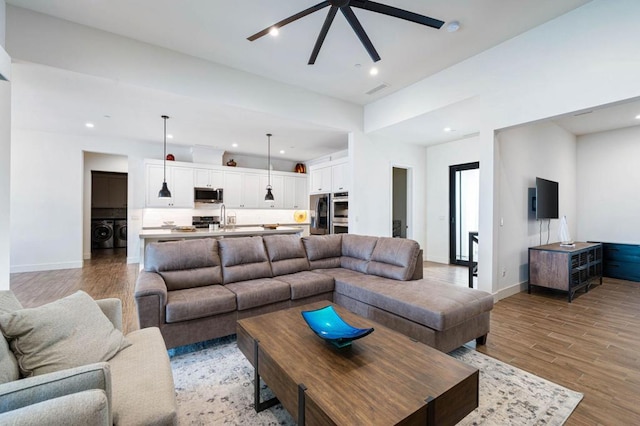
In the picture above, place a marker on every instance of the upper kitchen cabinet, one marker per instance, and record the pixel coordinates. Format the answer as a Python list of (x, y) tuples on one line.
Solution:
[(179, 180), (242, 190), (206, 178), (329, 177), (278, 191), (296, 195), (320, 180), (340, 177)]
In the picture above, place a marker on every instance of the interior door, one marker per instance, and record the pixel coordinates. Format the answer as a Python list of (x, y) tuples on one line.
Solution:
[(464, 207), (399, 223)]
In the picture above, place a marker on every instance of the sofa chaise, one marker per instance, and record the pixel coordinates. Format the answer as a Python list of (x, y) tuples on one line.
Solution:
[(195, 290)]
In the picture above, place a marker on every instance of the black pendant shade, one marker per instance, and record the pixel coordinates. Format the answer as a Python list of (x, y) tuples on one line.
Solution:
[(164, 192)]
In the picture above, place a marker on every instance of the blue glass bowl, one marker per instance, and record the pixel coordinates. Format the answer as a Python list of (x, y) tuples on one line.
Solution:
[(326, 323)]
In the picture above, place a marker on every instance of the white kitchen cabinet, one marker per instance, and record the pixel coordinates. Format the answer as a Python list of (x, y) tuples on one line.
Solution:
[(278, 191), (179, 181), (206, 178), (295, 193), (242, 190), (340, 177), (320, 180)]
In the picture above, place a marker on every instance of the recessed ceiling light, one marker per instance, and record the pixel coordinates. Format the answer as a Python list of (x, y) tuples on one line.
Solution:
[(453, 26), (169, 136), (89, 125), (373, 71), (235, 145), (274, 31), (449, 129), (638, 117), (282, 151)]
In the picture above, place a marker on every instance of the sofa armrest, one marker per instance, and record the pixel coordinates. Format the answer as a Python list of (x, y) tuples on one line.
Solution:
[(418, 272), (151, 299), (90, 407), (32, 390), (112, 308)]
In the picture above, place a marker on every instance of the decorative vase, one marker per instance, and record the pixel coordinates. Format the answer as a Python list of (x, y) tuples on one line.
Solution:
[(231, 163)]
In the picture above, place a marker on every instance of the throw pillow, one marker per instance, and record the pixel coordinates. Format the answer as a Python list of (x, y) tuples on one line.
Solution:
[(69, 332)]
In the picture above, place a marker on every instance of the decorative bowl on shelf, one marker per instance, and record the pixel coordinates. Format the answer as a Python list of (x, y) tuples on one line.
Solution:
[(326, 323)]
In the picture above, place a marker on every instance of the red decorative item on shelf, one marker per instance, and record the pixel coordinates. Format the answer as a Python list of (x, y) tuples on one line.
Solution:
[(300, 168), (231, 163), (170, 157)]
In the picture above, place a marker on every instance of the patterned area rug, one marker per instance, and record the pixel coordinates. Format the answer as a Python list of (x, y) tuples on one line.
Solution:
[(214, 385)]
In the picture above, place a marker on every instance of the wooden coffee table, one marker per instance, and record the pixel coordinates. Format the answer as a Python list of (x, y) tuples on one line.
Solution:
[(385, 378)]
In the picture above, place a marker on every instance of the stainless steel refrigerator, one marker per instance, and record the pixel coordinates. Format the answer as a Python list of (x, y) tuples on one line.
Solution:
[(320, 205)]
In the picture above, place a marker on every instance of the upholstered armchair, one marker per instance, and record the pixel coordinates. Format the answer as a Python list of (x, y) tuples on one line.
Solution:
[(132, 387)]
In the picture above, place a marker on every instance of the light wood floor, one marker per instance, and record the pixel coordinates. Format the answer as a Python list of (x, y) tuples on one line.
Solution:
[(591, 345)]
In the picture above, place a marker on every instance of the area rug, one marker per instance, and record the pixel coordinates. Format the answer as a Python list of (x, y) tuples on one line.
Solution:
[(214, 386)]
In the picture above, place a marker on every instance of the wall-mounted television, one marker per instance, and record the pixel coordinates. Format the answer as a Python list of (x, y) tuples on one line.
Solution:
[(546, 199)]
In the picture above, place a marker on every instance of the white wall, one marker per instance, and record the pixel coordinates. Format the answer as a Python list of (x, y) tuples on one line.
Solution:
[(539, 150), (372, 163), (5, 181), (439, 158), (608, 184), (48, 226)]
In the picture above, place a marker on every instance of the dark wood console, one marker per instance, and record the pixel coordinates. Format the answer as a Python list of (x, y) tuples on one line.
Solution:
[(622, 261), (565, 268)]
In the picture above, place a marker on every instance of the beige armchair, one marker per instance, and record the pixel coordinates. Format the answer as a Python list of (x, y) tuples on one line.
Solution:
[(135, 387)]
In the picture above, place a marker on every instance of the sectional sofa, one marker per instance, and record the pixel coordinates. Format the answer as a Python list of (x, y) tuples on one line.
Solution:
[(195, 290)]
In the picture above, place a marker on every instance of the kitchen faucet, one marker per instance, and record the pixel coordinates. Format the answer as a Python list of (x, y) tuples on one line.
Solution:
[(223, 216)]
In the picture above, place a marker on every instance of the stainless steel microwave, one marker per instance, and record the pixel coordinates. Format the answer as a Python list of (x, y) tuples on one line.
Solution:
[(207, 195)]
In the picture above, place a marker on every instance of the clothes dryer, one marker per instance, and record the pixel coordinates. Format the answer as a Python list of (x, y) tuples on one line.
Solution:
[(120, 233)]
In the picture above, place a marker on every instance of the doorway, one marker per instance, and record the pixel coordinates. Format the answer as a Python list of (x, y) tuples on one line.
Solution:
[(464, 208), (399, 223)]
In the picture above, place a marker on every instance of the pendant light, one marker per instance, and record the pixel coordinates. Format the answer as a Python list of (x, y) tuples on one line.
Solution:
[(269, 196), (164, 192)]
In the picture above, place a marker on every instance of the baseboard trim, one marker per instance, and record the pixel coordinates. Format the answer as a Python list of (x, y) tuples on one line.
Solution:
[(510, 291), (133, 259), (16, 269)]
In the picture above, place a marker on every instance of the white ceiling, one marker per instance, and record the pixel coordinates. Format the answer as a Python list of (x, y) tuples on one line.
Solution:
[(216, 30)]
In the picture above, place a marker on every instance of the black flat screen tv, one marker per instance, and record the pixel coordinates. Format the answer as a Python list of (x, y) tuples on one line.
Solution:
[(546, 199)]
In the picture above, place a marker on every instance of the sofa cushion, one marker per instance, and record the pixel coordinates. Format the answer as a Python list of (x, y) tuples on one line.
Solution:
[(9, 370), (67, 333), (260, 292), (306, 283), (323, 251), (356, 251), (439, 306), (243, 258), (199, 302), (142, 383), (394, 258), (185, 264), (286, 253)]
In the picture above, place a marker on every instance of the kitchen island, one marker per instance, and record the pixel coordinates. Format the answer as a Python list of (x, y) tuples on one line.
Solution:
[(158, 235)]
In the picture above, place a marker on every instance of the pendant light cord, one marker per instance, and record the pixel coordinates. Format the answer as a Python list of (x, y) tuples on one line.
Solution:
[(269, 158), (164, 158)]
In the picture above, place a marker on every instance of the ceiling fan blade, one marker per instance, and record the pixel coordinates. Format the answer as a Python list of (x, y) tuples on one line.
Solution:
[(397, 13), (362, 35), (323, 34), (289, 20)]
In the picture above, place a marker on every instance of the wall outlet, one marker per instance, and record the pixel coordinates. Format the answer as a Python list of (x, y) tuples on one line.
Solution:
[(504, 272)]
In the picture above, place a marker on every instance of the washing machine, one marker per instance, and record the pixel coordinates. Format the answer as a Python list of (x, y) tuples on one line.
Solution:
[(101, 234), (120, 233)]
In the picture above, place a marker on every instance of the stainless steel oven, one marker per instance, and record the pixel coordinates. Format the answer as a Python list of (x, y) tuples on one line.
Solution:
[(340, 213)]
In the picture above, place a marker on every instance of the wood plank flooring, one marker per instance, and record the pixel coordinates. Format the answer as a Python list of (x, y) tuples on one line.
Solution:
[(591, 345)]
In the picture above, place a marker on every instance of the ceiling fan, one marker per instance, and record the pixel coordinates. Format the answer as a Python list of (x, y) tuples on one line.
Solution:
[(345, 7)]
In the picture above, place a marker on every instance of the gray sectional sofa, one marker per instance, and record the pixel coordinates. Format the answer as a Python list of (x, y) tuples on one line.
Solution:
[(195, 290)]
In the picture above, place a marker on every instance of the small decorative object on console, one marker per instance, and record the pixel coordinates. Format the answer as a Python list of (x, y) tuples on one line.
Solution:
[(326, 323)]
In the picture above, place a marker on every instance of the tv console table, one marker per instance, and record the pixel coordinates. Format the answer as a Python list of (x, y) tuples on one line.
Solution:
[(565, 268)]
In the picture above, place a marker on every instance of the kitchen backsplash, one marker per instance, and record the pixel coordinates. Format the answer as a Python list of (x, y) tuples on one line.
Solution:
[(152, 218)]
